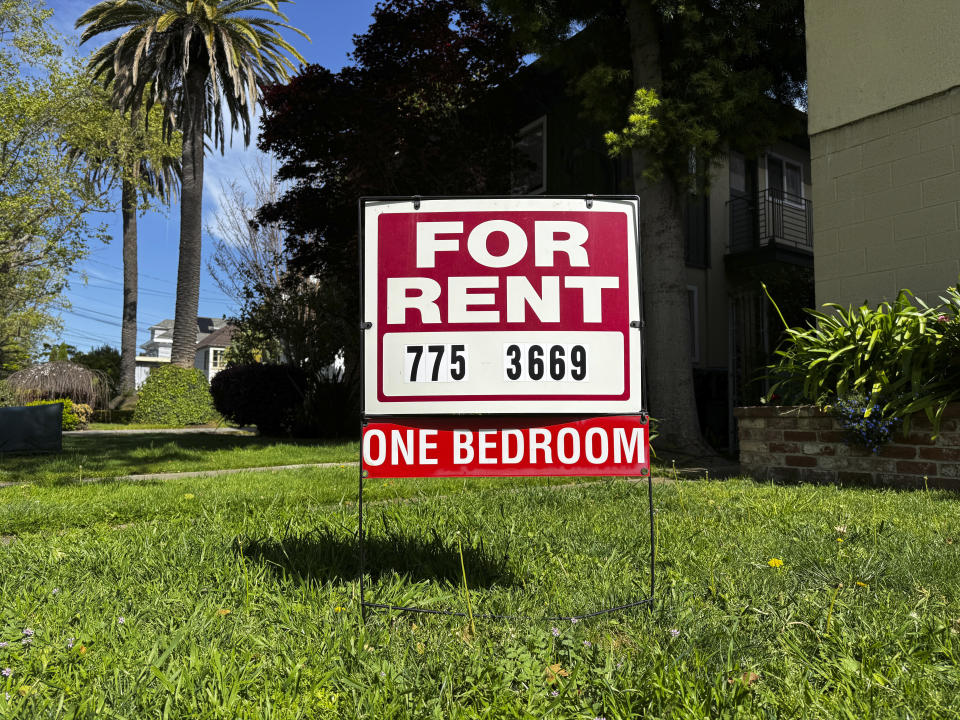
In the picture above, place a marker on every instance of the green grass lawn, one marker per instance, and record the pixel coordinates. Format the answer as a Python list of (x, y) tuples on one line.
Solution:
[(236, 597), (99, 456)]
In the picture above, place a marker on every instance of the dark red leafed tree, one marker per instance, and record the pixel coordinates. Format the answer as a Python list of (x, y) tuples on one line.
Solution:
[(416, 113)]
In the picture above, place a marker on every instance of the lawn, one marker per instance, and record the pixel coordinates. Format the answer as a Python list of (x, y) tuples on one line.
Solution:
[(100, 456), (236, 597)]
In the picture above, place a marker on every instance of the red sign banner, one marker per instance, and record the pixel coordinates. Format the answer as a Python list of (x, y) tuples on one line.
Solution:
[(506, 446)]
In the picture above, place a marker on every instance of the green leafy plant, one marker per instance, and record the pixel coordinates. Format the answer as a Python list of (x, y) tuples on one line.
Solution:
[(7, 396), (268, 396), (174, 395), (904, 352), (75, 416)]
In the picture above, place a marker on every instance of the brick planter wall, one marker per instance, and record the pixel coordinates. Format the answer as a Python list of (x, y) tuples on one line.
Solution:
[(805, 444)]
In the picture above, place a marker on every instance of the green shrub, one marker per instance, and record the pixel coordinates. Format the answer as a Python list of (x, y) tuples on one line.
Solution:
[(75, 417), (173, 395), (7, 396), (903, 355), (268, 396)]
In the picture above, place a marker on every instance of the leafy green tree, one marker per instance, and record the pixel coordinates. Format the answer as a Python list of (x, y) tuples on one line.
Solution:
[(146, 165), (703, 76), (104, 359), (47, 192), (201, 61)]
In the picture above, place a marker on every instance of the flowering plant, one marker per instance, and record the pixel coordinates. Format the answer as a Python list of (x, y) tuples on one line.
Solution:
[(864, 421)]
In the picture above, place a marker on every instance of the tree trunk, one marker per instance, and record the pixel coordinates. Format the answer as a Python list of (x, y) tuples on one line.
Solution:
[(670, 396), (191, 222), (128, 331)]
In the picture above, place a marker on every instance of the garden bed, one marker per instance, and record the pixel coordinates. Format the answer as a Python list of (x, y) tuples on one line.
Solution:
[(805, 443)]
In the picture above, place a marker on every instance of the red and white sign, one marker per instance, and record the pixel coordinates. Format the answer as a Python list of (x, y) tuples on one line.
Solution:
[(506, 447), (501, 306)]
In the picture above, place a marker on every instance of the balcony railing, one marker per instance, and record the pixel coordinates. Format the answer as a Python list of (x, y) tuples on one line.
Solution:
[(772, 217)]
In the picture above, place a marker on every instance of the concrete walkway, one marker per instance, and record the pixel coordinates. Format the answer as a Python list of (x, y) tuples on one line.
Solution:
[(166, 431), (213, 473)]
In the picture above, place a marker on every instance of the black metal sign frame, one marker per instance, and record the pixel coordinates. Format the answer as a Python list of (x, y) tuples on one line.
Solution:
[(364, 326)]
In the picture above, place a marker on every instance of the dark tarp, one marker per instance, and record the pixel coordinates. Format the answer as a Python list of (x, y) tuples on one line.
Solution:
[(31, 429)]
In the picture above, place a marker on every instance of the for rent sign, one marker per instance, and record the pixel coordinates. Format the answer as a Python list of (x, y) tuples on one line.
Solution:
[(507, 307)]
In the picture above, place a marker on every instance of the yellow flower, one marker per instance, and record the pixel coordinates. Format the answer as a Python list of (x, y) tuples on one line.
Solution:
[(775, 562), (188, 496), (82, 649), (839, 539), (338, 608), (223, 611), (862, 584)]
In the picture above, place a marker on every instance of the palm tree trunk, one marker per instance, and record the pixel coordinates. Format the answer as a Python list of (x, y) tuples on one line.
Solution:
[(191, 220), (128, 328), (671, 398)]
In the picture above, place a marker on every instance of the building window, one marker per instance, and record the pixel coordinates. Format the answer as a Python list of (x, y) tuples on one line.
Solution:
[(530, 159), (738, 173), (785, 180), (697, 231), (216, 359), (694, 308)]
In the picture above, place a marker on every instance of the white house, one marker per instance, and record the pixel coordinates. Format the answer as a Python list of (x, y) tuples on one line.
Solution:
[(209, 358)]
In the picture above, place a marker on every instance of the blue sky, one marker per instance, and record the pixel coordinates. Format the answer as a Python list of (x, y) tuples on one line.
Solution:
[(95, 291)]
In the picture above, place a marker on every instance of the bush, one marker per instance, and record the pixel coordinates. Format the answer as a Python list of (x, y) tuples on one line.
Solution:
[(75, 416), (7, 397), (174, 395), (904, 353), (268, 396)]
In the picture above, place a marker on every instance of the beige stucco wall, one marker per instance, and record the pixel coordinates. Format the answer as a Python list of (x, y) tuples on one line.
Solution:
[(886, 198), (868, 56)]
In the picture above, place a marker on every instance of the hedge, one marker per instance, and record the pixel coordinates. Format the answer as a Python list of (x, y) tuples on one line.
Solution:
[(174, 395)]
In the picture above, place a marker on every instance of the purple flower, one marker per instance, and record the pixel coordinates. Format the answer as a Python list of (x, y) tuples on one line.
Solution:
[(556, 632), (574, 621), (120, 621), (55, 591), (675, 632), (6, 672), (69, 643), (28, 632), (554, 693), (586, 643), (4, 643), (26, 641)]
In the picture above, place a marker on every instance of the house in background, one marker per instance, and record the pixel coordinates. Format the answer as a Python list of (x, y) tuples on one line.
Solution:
[(157, 350), (211, 351), (884, 104), (752, 225)]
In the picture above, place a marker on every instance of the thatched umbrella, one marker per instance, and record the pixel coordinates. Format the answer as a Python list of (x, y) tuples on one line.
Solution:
[(55, 380)]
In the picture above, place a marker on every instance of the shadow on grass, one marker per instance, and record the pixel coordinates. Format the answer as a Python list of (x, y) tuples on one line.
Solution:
[(324, 555)]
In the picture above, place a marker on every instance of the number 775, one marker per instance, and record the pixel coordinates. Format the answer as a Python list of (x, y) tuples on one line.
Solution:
[(434, 368)]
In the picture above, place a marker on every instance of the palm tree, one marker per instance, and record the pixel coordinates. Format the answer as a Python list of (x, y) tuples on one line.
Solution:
[(198, 60), (140, 177), (146, 165)]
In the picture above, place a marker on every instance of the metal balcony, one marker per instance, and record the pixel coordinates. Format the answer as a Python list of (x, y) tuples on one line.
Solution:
[(771, 219)]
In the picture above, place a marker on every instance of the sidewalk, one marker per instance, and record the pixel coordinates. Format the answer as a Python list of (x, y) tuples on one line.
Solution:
[(166, 431)]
